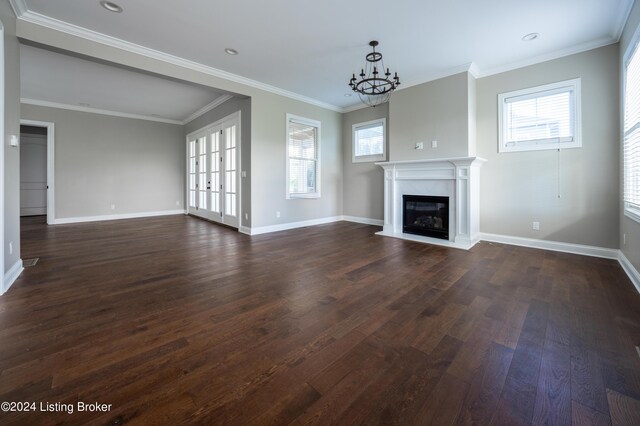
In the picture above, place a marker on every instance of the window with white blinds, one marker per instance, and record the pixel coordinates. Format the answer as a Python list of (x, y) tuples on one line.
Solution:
[(303, 157), (543, 117), (631, 148), (369, 142)]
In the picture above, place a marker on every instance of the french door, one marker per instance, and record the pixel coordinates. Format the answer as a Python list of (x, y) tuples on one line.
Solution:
[(213, 157)]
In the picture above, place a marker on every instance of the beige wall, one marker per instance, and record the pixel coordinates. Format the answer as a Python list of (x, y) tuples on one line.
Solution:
[(437, 110), (100, 160), (628, 227), (521, 187), (11, 127), (363, 187)]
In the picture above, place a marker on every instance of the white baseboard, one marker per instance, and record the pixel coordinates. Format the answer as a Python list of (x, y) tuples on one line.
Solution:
[(291, 225), (11, 276), (244, 230), (606, 253), (631, 271), (68, 220), (364, 220)]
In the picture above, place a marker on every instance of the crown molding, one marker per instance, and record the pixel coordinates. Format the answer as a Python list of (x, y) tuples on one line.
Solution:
[(36, 102), (621, 22), (217, 102), (74, 30), (23, 14), (19, 7), (547, 57), (471, 68)]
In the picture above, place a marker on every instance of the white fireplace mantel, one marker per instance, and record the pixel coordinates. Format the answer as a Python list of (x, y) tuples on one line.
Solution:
[(457, 178)]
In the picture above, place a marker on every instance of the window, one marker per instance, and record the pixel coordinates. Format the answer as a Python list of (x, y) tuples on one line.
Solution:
[(369, 141), (631, 148), (543, 117), (303, 157)]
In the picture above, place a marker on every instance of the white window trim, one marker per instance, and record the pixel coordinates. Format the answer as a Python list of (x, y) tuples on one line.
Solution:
[(630, 211), (310, 122), (535, 145), (369, 158)]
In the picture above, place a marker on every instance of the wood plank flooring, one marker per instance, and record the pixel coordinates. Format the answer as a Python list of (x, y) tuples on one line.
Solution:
[(174, 320)]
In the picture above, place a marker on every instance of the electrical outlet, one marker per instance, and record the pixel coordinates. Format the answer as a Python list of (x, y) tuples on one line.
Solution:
[(434, 144), (244, 173), (419, 145), (113, 206), (624, 239), (246, 216), (10, 247), (277, 214), (536, 226), (177, 203)]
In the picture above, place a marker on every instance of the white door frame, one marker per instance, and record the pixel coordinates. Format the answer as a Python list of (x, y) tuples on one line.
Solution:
[(51, 199), (2, 148), (231, 116)]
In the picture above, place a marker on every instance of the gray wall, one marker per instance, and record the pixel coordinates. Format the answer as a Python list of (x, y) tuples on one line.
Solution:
[(268, 135), (363, 183), (11, 127), (437, 110), (628, 226), (520, 187), (229, 107), (268, 162), (100, 160)]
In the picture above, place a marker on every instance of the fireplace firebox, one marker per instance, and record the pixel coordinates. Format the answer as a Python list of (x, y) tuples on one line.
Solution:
[(426, 215)]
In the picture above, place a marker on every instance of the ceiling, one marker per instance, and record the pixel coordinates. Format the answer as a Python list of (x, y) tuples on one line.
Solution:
[(50, 77), (311, 48)]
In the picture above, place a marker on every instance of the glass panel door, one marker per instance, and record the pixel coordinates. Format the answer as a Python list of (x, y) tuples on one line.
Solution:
[(191, 175), (231, 172), (213, 157), (216, 165)]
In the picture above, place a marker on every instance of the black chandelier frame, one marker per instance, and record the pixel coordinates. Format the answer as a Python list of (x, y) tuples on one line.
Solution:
[(375, 84)]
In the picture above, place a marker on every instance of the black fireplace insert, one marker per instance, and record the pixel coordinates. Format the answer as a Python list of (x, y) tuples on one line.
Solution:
[(426, 215)]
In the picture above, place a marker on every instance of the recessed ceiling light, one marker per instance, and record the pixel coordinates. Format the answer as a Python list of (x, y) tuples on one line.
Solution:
[(530, 36), (347, 95), (230, 51), (111, 6)]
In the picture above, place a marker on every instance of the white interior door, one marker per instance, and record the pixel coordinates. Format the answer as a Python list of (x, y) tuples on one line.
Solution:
[(213, 157)]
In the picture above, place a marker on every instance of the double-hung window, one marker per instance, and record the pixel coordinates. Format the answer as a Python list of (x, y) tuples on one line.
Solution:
[(543, 117), (631, 143), (369, 142), (303, 157)]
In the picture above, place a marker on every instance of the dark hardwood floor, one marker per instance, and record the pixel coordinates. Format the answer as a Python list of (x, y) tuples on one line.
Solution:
[(174, 320)]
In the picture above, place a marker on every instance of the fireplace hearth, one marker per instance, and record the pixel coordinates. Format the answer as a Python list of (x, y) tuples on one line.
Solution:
[(425, 215)]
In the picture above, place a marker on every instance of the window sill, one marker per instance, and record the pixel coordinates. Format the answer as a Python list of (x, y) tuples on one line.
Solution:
[(302, 196), (369, 159), (632, 213)]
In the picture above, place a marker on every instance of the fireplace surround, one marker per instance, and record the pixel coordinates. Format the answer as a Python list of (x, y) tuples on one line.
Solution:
[(456, 178)]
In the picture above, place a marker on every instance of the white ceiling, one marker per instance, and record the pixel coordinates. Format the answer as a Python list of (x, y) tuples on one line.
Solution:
[(52, 77), (312, 47)]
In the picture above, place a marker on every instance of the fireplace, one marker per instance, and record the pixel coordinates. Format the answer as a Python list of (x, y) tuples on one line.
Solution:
[(426, 215)]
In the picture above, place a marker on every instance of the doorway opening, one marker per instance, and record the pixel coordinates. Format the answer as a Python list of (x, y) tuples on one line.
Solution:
[(37, 169)]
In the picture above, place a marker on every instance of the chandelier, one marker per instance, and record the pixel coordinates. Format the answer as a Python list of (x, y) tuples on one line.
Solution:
[(375, 84)]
